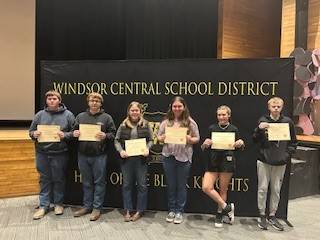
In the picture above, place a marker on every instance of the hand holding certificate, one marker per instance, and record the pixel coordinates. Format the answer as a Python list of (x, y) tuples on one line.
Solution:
[(88, 132), (136, 147), (176, 135), (49, 133), (279, 132), (223, 140)]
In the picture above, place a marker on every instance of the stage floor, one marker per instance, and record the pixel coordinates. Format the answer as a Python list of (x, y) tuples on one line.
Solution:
[(16, 223)]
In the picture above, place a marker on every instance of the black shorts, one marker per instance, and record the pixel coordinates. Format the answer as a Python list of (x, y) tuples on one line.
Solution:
[(221, 164)]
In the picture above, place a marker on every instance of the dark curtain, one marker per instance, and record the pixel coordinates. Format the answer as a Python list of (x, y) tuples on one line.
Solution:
[(124, 29), (172, 28)]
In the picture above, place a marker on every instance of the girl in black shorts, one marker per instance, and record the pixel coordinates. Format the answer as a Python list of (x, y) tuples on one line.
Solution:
[(220, 164)]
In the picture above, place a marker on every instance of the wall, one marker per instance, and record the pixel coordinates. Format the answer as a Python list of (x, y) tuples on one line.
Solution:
[(249, 29), (17, 49)]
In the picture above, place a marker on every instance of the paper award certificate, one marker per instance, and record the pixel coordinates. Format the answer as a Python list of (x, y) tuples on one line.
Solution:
[(135, 147), (88, 132), (279, 132), (223, 140), (49, 133), (176, 135)]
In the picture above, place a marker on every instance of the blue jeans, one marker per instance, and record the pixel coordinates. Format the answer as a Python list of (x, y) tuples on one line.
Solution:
[(93, 173), (134, 172), (176, 174), (52, 171)]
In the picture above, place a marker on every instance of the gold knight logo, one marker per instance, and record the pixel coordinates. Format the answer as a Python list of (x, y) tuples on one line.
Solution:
[(154, 119)]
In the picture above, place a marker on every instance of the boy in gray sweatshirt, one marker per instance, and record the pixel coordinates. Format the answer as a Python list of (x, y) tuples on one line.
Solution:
[(51, 154)]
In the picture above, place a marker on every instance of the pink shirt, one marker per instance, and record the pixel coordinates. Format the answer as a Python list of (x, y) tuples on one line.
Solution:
[(181, 152)]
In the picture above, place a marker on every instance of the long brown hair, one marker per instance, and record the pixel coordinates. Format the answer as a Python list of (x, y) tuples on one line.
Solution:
[(185, 116)]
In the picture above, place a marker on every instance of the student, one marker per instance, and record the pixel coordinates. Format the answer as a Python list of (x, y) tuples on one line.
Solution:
[(92, 156), (52, 157), (272, 161), (134, 168), (220, 165), (177, 157)]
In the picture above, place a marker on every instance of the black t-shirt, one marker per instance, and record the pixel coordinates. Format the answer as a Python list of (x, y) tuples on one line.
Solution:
[(213, 154)]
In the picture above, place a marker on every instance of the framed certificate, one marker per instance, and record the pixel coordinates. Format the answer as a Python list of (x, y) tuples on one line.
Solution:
[(223, 140), (279, 132), (49, 133), (88, 132), (176, 135), (135, 147)]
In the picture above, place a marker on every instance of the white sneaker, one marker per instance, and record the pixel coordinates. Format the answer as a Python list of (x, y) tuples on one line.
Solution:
[(178, 218), (229, 211), (58, 210), (39, 214), (170, 217)]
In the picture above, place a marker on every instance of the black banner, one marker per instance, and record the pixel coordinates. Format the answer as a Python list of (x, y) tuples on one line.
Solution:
[(244, 84)]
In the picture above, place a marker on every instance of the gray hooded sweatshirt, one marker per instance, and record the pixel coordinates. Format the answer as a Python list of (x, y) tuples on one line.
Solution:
[(64, 118)]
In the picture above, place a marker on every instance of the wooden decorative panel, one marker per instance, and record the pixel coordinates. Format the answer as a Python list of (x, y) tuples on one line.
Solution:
[(288, 27), (314, 24), (18, 175), (249, 29)]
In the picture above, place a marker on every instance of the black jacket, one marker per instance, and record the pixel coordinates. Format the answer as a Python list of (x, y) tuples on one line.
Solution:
[(275, 152), (107, 126)]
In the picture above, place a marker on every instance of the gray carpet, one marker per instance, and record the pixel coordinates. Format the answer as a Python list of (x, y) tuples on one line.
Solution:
[(16, 223)]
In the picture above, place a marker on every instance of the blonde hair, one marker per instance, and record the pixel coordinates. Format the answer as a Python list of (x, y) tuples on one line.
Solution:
[(225, 107), (128, 121), (275, 100), (95, 95), (51, 93)]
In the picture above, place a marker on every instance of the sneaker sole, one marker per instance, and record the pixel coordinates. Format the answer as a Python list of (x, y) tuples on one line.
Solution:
[(177, 222), (169, 220), (232, 214), (279, 229), (262, 227), (218, 225), (275, 227)]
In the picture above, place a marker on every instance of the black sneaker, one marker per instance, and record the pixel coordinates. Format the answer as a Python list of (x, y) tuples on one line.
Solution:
[(229, 211), (275, 223), (218, 220), (262, 222)]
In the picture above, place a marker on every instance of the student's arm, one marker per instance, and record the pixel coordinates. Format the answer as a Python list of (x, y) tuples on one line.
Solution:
[(117, 144), (68, 134), (33, 133), (161, 132), (150, 142), (239, 143), (259, 133), (194, 136), (207, 142), (110, 129)]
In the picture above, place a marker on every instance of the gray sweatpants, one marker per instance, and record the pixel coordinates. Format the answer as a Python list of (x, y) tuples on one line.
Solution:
[(273, 175)]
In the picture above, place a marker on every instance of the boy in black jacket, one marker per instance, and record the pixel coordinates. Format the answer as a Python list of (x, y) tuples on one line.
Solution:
[(272, 161), (92, 155)]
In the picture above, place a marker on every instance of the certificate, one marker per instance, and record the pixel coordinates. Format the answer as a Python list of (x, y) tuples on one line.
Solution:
[(135, 147), (49, 133), (88, 132), (279, 132), (223, 140), (176, 135)]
